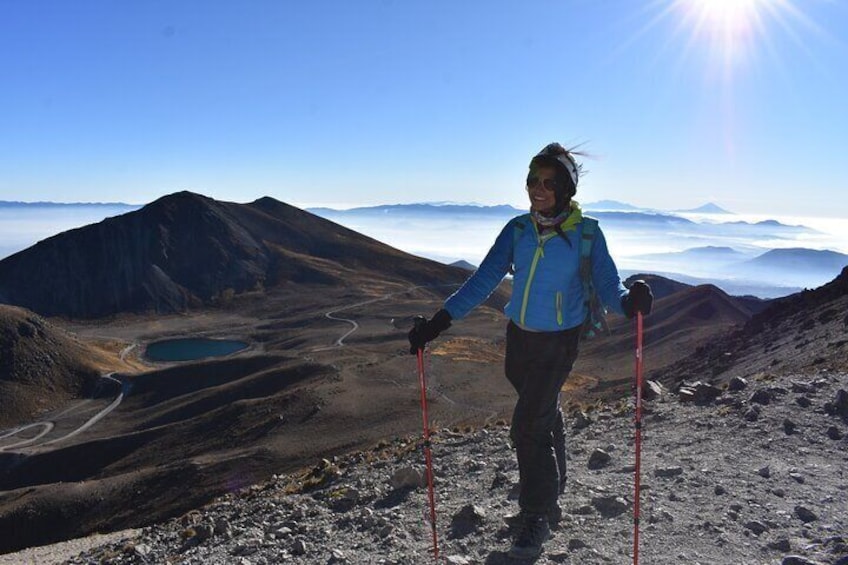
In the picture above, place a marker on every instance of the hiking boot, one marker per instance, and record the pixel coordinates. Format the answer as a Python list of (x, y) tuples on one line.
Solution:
[(554, 515), (532, 534)]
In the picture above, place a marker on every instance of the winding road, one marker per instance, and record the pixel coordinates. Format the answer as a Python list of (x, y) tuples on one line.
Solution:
[(330, 315), (48, 426)]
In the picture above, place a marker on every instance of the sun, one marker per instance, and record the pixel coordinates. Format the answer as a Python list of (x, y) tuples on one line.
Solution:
[(724, 16), (729, 37), (730, 29)]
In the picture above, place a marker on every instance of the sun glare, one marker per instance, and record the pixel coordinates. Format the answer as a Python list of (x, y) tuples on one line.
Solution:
[(728, 28), (727, 45), (726, 38), (724, 16)]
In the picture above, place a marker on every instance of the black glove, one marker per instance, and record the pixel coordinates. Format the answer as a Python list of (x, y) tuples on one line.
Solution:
[(427, 330), (637, 299)]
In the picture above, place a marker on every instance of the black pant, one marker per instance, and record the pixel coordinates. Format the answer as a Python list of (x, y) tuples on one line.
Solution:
[(537, 364)]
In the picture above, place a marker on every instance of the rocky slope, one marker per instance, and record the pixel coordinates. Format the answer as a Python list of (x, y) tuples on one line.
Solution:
[(41, 366), (757, 476), (680, 322), (801, 332)]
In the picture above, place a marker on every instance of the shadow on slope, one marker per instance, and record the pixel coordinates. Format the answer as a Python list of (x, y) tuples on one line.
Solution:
[(192, 429)]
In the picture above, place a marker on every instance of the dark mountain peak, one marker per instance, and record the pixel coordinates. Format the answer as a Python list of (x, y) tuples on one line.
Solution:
[(708, 289), (713, 293), (463, 264), (181, 196), (705, 303), (183, 202), (277, 208), (187, 250), (267, 201)]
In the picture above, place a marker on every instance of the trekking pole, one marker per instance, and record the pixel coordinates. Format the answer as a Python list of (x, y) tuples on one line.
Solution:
[(422, 382), (637, 494)]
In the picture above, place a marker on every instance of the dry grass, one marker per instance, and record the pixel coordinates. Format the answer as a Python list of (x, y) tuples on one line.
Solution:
[(106, 356), (469, 349)]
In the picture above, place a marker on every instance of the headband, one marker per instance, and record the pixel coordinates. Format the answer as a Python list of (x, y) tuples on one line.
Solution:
[(569, 166)]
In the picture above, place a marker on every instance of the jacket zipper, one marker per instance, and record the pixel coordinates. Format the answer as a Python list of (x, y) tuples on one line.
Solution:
[(540, 252), (559, 307)]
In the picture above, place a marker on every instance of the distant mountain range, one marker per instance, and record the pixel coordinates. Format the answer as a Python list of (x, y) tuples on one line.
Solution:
[(601, 209), (797, 264), (17, 204), (611, 205), (608, 210), (699, 253), (794, 267), (715, 264), (615, 205), (389, 209)]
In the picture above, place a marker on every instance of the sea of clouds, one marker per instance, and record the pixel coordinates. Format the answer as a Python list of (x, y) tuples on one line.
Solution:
[(447, 235)]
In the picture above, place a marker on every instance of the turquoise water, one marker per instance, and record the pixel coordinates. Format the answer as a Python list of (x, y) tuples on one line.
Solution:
[(189, 349)]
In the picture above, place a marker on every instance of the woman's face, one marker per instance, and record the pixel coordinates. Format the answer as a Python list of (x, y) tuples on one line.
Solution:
[(540, 183)]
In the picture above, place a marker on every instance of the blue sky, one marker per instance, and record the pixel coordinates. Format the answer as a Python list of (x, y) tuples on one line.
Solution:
[(680, 102)]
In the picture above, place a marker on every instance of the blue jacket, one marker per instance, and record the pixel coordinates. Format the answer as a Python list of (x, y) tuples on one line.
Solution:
[(547, 293)]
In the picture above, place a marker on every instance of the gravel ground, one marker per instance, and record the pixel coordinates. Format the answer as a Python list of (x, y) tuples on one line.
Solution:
[(61, 552), (752, 476)]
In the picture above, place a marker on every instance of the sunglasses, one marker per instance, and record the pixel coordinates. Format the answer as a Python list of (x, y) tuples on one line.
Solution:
[(547, 184)]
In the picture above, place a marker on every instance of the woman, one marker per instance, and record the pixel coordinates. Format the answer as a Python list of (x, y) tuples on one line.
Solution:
[(546, 313)]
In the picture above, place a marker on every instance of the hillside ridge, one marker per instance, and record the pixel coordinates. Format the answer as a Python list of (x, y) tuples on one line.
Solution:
[(187, 251)]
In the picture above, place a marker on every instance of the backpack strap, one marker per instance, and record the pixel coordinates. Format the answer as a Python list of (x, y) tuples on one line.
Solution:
[(518, 226), (594, 324), (590, 225)]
